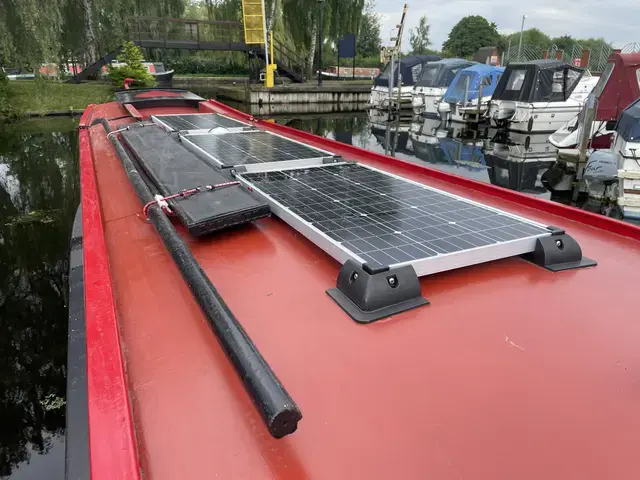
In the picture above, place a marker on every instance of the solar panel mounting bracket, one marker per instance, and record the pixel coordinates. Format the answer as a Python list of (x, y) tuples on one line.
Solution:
[(367, 294), (558, 252)]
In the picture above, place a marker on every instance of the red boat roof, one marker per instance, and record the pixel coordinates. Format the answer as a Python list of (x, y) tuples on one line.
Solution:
[(622, 88), (512, 371)]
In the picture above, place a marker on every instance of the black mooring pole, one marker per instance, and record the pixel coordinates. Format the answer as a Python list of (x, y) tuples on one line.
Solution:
[(320, 37)]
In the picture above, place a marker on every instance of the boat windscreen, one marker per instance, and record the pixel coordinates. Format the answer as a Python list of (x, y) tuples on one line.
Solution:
[(529, 83), (629, 124), (440, 74)]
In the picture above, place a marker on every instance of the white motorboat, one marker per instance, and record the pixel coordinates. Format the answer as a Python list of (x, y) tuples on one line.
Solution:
[(540, 96), (467, 98), (618, 87), (405, 73), (434, 80)]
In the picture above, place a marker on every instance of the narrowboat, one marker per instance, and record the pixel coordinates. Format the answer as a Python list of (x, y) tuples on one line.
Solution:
[(266, 303)]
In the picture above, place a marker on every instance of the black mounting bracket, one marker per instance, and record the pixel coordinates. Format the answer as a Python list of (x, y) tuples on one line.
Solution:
[(368, 294), (558, 252)]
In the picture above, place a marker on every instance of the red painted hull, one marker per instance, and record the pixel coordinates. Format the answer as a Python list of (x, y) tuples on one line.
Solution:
[(511, 372)]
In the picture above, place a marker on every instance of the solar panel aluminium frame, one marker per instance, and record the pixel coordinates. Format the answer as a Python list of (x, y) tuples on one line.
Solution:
[(263, 166), (157, 119), (424, 266)]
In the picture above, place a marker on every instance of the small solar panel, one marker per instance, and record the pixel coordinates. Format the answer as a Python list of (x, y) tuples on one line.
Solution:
[(197, 122), (354, 211), (253, 150)]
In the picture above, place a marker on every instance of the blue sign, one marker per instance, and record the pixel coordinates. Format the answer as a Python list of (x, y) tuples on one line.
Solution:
[(347, 46)]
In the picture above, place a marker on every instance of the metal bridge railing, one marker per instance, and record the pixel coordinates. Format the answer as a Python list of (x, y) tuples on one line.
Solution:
[(164, 31)]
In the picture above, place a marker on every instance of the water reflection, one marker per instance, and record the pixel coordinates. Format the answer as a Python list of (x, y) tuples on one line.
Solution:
[(525, 163), (38, 196)]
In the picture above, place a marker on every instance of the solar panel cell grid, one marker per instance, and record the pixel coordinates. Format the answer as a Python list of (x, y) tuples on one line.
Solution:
[(386, 220), (203, 121), (253, 147)]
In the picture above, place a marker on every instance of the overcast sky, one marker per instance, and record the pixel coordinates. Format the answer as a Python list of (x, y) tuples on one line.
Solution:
[(618, 21)]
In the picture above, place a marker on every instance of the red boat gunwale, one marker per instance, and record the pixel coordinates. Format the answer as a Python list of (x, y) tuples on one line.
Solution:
[(113, 447)]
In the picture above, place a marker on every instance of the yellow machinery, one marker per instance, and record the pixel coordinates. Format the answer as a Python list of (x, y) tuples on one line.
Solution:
[(255, 32)]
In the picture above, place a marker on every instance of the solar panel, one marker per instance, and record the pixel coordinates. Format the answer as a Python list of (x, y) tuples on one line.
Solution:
[(358, 212), (254, 150), (196, 122)]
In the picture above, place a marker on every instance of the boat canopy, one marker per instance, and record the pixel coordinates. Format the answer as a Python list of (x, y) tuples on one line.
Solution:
[(410, 69), (629, 124), (619, 85), (486, 76), (538, 81), (440, 74), (468, 155)]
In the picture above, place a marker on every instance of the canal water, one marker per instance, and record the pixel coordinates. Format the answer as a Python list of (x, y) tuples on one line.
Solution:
[(39, 193)]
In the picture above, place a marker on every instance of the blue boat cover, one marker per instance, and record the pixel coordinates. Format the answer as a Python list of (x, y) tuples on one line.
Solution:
[(463, 154), (410, 68), (485, 75), (440, 74), (629, 124)]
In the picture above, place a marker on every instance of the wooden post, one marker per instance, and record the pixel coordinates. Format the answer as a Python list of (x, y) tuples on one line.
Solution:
[(559, 54), (584, 59)]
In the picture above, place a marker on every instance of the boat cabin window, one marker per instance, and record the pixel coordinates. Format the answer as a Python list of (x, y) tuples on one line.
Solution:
[(516, 80), (486, 81), (604, 79), (429, 75), (638, 76), (416, 70)]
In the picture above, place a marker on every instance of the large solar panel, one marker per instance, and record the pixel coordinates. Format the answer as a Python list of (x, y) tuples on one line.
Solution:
[(354, 211), (196, 122), (255, 150)]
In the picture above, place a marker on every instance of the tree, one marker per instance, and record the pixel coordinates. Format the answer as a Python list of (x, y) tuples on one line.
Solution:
[(419, 38), (368, 40), (532, 36), (470, 34), (133, 68), (564, 42)]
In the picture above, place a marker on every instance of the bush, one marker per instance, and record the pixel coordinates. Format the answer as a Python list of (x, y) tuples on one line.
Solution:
[(132, 57), (7, 111), (213, 66)]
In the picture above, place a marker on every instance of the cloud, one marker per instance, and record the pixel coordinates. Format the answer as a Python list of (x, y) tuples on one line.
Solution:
[(580, 19)]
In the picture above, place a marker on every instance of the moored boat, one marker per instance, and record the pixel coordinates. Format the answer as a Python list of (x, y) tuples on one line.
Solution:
[(230, 341), (408, 71), (539, 96), (617, 88), (434, 80), (467, 98)]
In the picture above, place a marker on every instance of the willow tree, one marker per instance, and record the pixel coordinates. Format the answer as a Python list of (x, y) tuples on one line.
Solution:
[(300, 19), (30, 30)]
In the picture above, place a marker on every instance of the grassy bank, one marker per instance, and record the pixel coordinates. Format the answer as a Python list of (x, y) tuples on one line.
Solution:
[(43, 97)]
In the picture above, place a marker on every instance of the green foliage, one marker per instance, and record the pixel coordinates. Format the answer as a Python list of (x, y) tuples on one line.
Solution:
[(29, 96), (368, 39), (6, 110), (419, 38), (210, 66), (470, 34), (132, 57), (531, 36)]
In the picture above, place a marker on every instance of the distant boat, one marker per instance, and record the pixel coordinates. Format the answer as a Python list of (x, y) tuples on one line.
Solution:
[(162, 77), (434, 80), (618, 87), (409, 71), (460, 102), (540, 96)]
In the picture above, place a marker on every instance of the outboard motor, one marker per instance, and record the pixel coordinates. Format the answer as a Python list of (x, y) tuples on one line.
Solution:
[(601, 174)]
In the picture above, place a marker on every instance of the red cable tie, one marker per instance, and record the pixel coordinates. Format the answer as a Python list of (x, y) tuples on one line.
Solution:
[(185, 193)]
